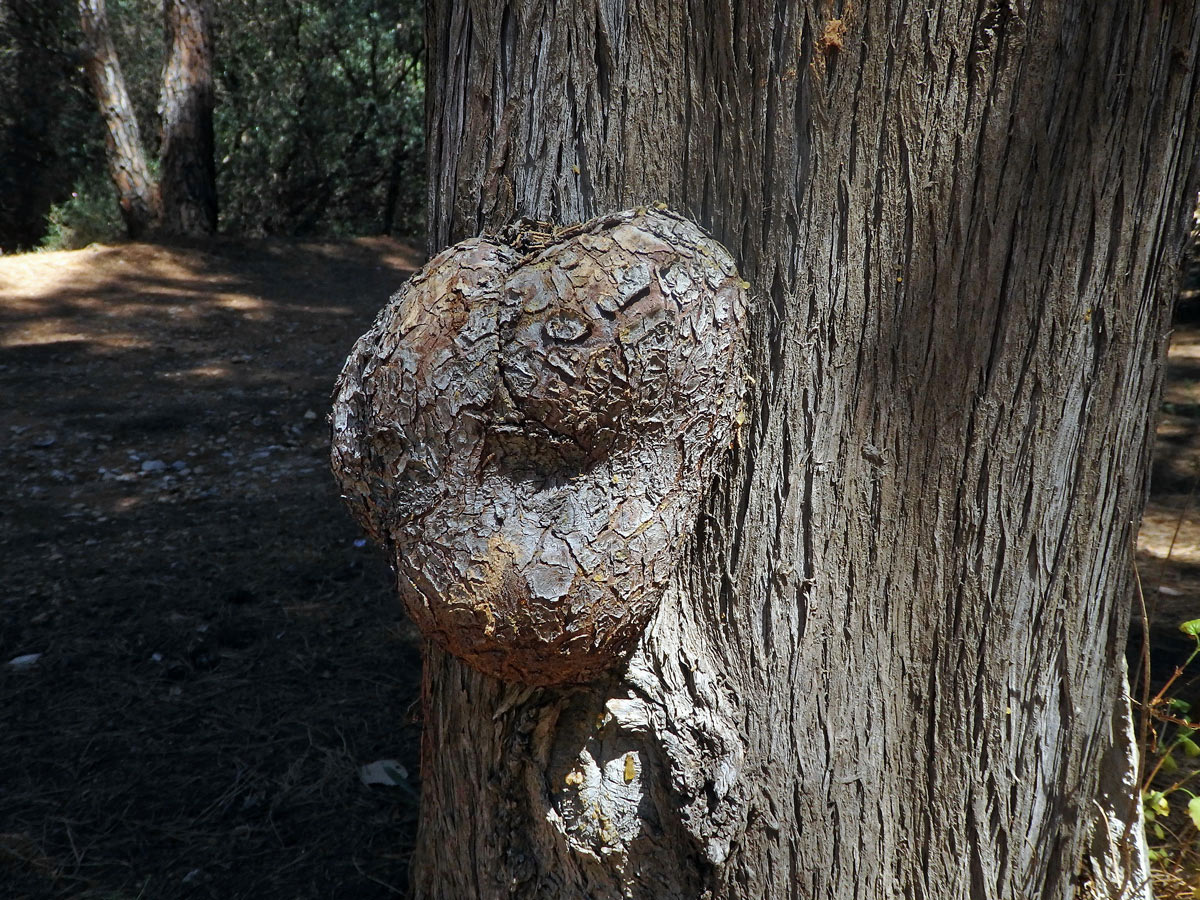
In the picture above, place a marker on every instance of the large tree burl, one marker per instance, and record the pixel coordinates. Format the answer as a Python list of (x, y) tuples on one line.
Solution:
[(530, 434)]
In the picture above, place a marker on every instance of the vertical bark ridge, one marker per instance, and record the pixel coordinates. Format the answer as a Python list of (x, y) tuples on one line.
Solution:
[(907, 592)]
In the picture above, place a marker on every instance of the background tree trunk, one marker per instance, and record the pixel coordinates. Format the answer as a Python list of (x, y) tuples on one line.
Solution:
[(137, 191), (891, 665), (189, 185)]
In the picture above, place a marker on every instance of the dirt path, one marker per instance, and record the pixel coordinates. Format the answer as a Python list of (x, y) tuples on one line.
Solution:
[(1169, 541), (219, 654)]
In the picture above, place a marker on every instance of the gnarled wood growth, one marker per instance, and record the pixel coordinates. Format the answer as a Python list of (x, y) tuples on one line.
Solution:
[(888, 664), (530, 434)]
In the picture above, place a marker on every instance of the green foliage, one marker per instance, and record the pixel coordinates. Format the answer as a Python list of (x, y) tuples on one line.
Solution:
[(319, 117), (50, 132), (88, 216), (1174, 734)]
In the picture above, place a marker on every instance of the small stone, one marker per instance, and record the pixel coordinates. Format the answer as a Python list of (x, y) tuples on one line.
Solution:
[(383, 771), (24, 661), (153, 465)]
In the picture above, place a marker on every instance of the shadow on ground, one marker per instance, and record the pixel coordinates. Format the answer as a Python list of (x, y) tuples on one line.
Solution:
[(206, 653)]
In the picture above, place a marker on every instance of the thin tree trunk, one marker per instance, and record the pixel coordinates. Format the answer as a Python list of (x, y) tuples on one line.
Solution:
[(392, 196), (890, 664), (189, 188), (137, 191)]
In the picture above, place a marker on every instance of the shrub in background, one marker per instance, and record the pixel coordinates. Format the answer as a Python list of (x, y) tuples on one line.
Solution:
[(88, 216), (319, 118)]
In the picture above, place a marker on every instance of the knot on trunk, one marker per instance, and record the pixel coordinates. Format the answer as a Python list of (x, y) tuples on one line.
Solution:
[(530, 434)]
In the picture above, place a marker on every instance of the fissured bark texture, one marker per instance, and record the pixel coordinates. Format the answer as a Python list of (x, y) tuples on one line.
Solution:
[(530, 431), (184, 199), (137, 191), (189, 175), (888, 662)]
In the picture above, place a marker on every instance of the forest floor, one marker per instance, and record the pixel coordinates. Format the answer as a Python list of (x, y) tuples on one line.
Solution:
[(1168, 561), (201, 662), (219, 655)]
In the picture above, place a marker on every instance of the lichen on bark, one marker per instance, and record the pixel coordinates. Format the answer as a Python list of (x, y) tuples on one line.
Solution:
[(529, 432)]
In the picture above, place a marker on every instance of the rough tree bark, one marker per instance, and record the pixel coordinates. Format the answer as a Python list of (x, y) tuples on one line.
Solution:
[(137, 191), (890, 661), (189, 178), (531, 430), (183, 200)]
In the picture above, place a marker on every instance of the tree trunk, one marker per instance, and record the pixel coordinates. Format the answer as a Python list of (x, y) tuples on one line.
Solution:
[(137, 191), (189, 186), (890, 663)]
